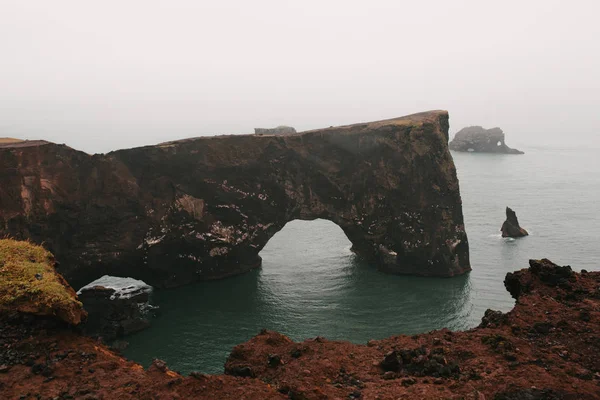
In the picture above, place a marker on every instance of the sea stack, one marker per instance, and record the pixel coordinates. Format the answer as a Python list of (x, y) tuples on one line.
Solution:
[(480, 140), (510, 227), (203, 208)]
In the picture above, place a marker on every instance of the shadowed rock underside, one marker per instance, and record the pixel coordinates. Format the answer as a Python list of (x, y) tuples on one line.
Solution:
[(203, 208)]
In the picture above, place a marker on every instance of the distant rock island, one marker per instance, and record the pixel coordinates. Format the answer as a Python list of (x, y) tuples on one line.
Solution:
[(481, 140), (279, 130), (511, 227)]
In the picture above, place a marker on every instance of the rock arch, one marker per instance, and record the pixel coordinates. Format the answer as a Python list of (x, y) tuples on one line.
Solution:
[(203, 208)]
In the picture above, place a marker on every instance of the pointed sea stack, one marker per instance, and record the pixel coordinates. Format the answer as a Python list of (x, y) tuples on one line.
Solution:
[(510, 227)]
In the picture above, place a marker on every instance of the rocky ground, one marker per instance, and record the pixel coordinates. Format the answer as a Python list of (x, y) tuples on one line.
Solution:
[(547, 347)]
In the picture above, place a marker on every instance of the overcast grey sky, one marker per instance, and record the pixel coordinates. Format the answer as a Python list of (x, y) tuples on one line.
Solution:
[(102, 75)]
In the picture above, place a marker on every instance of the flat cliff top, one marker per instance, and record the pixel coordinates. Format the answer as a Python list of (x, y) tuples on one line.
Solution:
[(8, 143), (413, 119), (545, 348), (417, 119)]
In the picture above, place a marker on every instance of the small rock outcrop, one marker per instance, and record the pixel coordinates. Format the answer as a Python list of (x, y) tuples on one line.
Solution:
[(511, 227), (30, 285), (280, 130), (116, 312), (480, 140)]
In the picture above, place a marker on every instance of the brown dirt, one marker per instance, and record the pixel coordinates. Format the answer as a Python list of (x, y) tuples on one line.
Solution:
[(547, 347)]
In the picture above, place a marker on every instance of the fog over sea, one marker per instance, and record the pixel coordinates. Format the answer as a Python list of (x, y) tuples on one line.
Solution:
[(311, 284)]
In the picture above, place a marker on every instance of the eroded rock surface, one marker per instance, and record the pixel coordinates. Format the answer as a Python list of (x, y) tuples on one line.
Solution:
[(481, 140), (511, 227), (115, 312), (545, 348), (203, 208)]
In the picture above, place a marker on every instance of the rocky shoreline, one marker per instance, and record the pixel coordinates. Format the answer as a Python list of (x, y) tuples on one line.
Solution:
[(547, 347)]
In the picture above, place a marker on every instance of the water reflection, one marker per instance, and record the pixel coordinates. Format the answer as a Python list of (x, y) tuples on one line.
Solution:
[(311, 284)]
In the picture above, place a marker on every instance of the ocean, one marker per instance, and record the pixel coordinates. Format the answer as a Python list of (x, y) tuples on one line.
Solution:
[(311, 284)]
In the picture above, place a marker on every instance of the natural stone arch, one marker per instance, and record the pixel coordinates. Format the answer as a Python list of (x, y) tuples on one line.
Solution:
[(204, 208)]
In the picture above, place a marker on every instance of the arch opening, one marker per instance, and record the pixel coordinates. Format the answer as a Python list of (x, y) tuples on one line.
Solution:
[(308, 242)]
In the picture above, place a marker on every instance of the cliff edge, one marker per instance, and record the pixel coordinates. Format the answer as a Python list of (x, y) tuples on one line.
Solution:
[(546, 348)]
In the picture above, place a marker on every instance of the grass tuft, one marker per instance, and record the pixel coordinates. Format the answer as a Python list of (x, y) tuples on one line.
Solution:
[(29, 283)]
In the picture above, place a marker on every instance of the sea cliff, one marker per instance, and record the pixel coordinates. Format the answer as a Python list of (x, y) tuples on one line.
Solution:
[(203, 208)]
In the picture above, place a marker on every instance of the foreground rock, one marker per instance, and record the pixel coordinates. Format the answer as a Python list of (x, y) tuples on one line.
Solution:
[(511, 227), (30, 285), (480, 140), (280, 130), (115, 312), (545, 348), (204, 208)]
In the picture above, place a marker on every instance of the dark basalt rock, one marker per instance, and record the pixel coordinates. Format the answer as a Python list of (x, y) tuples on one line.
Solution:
[(511, 227), (204, 208), (493, 319), (548, 273), (115, 313), (481, 140)]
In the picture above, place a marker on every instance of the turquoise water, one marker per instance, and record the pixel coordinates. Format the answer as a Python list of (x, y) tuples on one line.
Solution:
[(311, 284)]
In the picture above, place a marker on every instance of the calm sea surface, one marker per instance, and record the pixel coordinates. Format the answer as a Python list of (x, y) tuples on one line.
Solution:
[(312, 285)]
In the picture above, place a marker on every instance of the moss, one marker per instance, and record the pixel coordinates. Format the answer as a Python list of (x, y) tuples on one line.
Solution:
[(29, 283)]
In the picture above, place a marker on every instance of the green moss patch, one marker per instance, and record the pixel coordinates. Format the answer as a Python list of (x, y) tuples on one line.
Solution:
[(29, 283)]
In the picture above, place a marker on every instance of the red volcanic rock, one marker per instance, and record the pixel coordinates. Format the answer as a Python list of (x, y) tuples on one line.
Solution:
[(547, 347)]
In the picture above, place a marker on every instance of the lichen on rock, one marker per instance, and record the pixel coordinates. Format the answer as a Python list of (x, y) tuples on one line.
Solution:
[(29, 284)]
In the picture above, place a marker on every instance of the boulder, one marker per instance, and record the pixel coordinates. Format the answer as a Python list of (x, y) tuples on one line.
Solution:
[(114, 312)]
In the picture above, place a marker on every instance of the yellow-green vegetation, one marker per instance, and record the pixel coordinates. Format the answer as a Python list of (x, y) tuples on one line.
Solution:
[(29, 283)]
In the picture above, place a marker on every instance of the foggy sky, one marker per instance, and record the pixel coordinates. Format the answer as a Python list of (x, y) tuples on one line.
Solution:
[(113, 74)]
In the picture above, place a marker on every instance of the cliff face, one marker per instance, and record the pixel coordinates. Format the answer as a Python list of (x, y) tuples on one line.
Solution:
[(204, 208), (480, 140)]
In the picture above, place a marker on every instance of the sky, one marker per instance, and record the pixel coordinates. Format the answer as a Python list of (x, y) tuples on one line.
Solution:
[(109, 74)]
